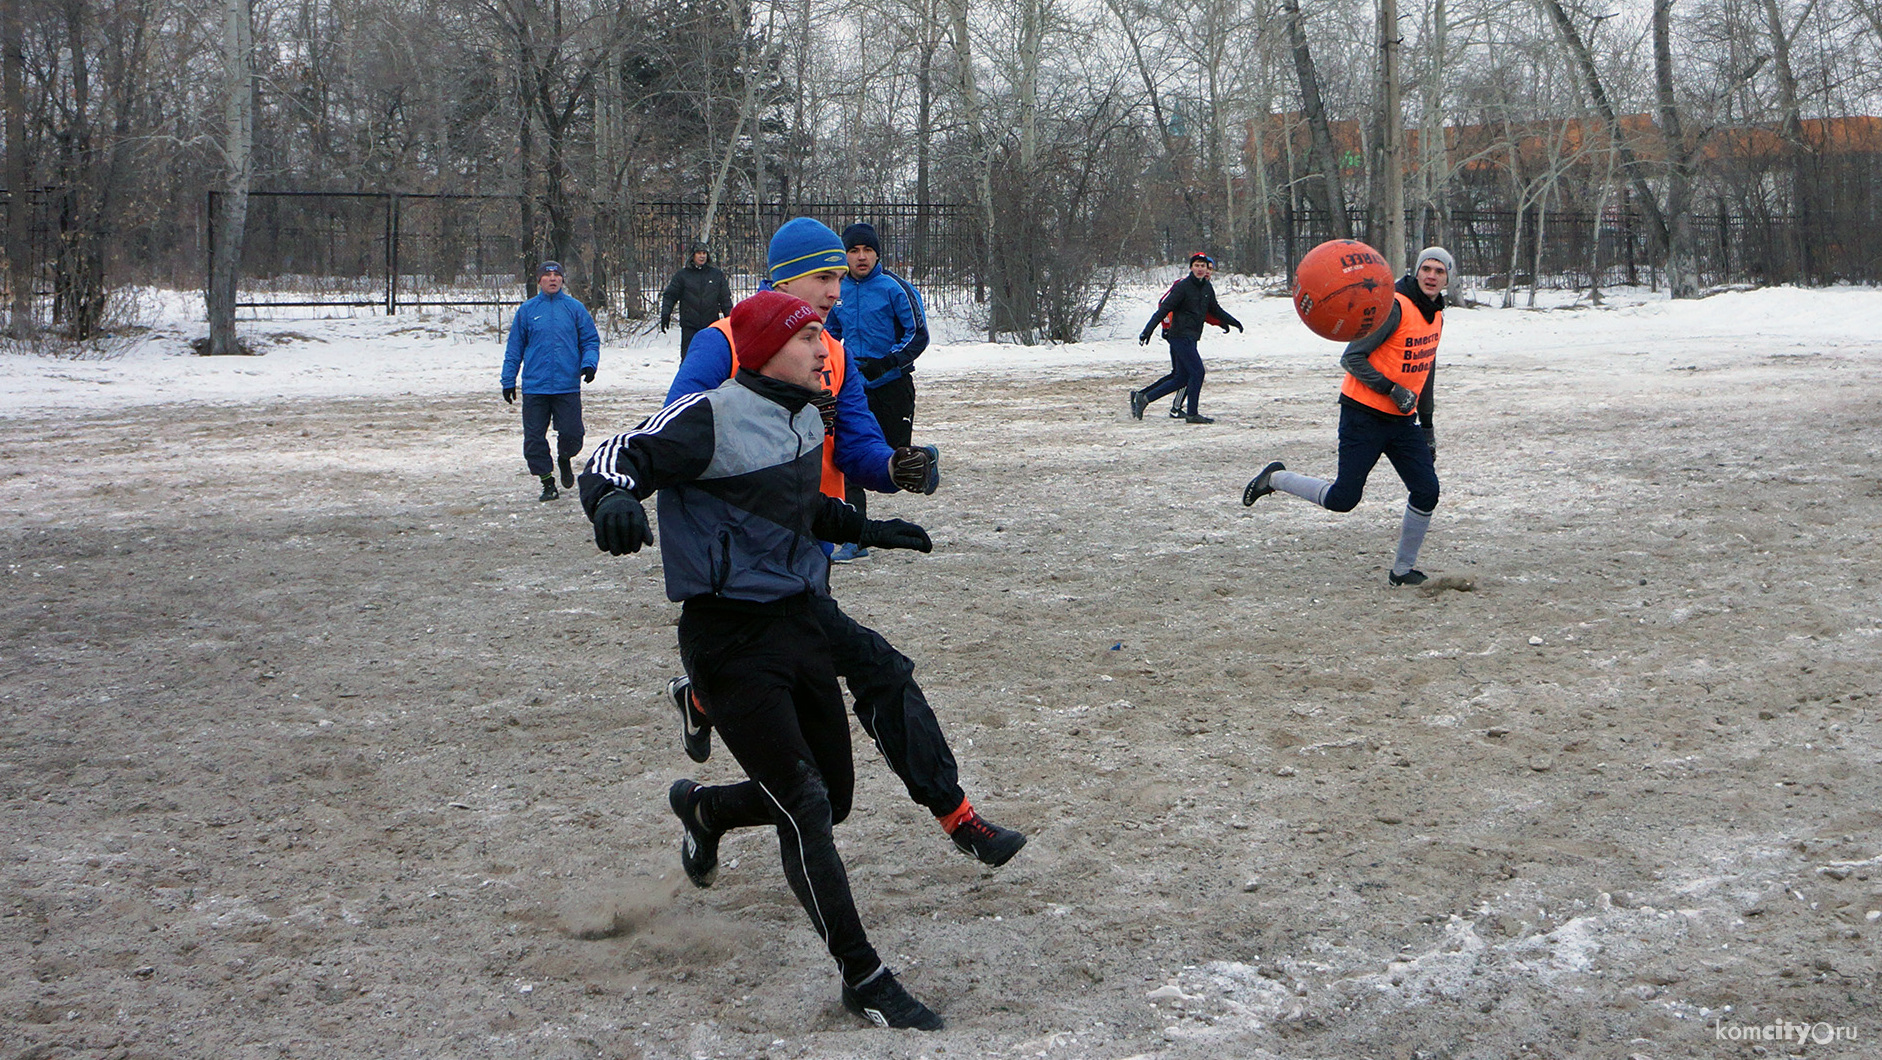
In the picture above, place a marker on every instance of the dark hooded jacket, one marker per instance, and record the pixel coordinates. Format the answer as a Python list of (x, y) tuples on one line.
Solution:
[(700, 291)]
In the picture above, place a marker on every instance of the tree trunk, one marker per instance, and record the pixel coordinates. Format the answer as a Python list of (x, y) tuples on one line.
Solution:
[(1681, 275), (977, 137), (1332, 198), (1796, 155), (238, 64), (20, 322), (1391, 168)]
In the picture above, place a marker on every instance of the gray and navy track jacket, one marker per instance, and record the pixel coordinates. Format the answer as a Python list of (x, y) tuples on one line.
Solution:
[(737, 470)]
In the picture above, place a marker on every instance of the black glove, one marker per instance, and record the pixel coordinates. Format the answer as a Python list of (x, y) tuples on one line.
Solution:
[(873, 367), (1403, 398), (894, 533), (621, 524), (916, 468), (826, 407), (1225, 329), (1238, 327), (1144, 339), (588, 375), (1431, 439), (509, 395), (664, 325)]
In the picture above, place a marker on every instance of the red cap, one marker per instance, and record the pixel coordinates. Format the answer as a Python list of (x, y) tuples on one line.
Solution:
[(763, 323)]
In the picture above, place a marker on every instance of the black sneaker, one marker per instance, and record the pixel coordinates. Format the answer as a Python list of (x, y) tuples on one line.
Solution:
[(548, 489), (1176, 408), (699, 849), (989, 842), (1410, 577), (568, 471), (1198, 418), (1138, 403), (883, 1002), (1258, 486), (695, 727)]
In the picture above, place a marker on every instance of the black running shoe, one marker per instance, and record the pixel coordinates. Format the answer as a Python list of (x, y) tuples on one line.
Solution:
[(1198, 418), (1176, 408), (695, 727), (883, 1002), (1258, 486), (1138, 403), (987, 841), (1410, 577), (699, 849), (548, 489), (568, 471)]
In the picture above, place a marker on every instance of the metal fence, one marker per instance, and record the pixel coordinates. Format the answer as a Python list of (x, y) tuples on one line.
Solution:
[(384, 250), (934, 246)]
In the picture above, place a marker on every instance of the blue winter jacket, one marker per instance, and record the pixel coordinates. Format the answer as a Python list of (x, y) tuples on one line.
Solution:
[(552, 338), (882, 323), (862, 454)]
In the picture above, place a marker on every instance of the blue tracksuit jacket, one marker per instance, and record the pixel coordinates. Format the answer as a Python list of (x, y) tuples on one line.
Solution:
[(552, 338), (882, 323)]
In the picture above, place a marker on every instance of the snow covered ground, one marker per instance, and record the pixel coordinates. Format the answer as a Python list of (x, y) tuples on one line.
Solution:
[(354, 354)]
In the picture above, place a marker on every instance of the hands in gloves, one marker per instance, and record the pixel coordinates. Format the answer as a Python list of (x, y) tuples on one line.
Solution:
[(1403, 398), (1144, 339), (892, 533), (916, 468), (621, 524), (873, 368), (1431, 439), (664, 324), (588, 375), (509, 395), (826, 407)]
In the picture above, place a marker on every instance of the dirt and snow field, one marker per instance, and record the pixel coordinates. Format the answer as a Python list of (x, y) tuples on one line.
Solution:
[(320, 737)]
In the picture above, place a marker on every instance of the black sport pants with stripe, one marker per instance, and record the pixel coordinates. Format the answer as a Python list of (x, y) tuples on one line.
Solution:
[(766, 681)]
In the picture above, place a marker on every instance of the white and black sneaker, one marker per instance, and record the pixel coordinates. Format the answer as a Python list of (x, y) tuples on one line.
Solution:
[(1410, 577), (1176, 407), (699, 848), (695, 727), (882, 1001)]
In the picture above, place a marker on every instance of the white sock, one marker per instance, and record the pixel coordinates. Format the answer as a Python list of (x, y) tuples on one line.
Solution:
[(1411, 538), (1306, 487)]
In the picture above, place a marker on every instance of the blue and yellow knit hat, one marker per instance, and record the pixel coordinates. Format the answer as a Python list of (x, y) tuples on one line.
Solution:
[(803, 246)]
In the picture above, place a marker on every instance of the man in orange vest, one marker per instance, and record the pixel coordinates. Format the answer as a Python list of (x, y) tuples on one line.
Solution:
[(1385, 410), (807, 260)]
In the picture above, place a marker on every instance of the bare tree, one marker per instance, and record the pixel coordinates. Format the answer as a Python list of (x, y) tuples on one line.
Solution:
[(237, 147), (1330, 197), (20, 323)]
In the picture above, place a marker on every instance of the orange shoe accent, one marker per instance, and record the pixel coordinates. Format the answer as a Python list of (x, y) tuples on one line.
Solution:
[(963, 812)]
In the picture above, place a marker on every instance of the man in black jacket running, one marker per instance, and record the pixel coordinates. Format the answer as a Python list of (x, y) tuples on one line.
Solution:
[(702, 294), (1188, 306)]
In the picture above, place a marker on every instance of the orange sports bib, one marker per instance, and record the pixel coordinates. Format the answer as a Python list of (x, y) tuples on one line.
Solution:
[(1405, 358), (833, 484)]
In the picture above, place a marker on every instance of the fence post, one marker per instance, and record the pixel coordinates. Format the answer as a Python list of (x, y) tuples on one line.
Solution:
[(392, 254)]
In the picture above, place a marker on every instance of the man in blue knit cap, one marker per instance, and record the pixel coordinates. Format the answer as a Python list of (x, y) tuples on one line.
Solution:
[(882, 323), (807, 260), (554, 343)]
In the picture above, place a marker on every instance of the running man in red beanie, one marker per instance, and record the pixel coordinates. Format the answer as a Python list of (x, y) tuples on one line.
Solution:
[(741, 515)]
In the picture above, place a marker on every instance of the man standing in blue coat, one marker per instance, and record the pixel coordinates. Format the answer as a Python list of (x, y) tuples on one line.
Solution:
[(554, 342), (881, 321)]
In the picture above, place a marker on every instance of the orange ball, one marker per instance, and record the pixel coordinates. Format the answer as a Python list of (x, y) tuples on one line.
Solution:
[(1342, 289)]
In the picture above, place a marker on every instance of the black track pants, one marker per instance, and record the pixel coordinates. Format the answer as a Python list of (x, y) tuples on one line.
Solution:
[(767, 684), (892, 709)]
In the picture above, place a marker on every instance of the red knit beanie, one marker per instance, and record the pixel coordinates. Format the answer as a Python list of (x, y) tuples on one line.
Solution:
[(763, 323)]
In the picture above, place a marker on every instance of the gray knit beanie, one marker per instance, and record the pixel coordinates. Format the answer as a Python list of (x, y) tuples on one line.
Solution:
[(1437, 254)]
